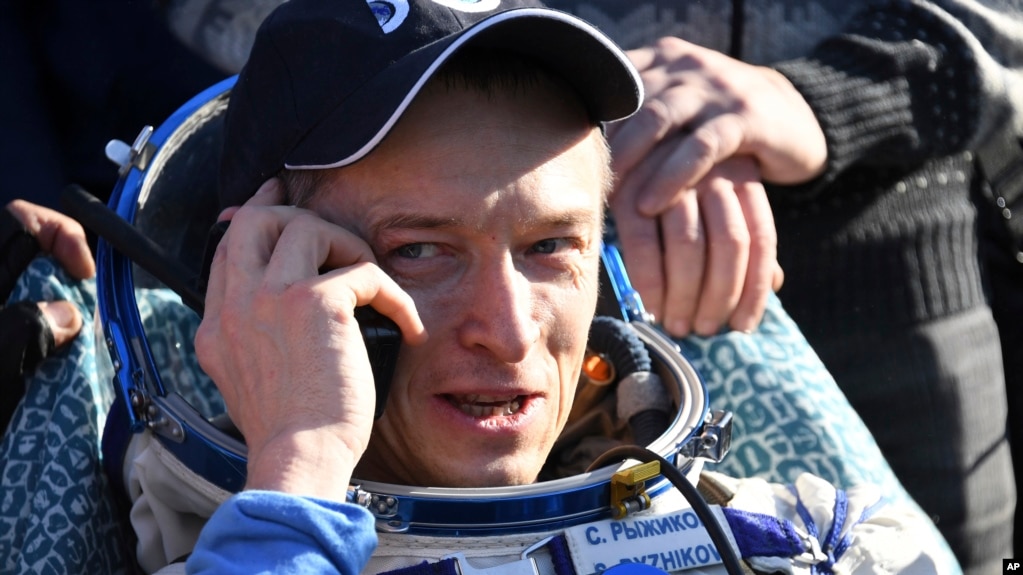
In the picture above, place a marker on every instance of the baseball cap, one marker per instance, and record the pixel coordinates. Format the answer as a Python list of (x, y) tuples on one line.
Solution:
[(327, 79)]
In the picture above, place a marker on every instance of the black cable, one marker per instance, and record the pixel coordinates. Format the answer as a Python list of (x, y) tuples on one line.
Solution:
[(681, 482)]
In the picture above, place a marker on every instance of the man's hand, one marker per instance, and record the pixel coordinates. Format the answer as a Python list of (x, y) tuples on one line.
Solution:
[(709, 259), (49, 325), (31, 331), (280, 340), (57, 234), (702, 109)]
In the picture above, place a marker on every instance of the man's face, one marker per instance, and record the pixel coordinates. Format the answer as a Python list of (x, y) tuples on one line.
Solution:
[(487, 210)]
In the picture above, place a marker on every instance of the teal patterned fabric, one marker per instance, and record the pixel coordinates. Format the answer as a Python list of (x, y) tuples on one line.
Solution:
[(789, 416), (170, 330), (57, 514)]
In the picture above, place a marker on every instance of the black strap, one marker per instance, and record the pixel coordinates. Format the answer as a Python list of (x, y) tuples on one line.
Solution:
[(126, 239)]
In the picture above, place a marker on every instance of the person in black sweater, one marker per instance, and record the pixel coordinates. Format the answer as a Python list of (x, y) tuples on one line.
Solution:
[(76, 75), (874, 197)]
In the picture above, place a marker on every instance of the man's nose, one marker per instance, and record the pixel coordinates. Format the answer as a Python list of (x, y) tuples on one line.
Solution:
[(502, 314)]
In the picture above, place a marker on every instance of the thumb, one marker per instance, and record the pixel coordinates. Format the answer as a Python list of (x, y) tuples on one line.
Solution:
[(31, 331), (779, 277), (64, 318)]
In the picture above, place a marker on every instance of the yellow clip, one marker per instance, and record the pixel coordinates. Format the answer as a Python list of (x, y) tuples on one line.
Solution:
[(628, 488)]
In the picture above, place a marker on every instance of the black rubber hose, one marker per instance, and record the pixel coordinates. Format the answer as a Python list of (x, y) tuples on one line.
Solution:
[(616, 340), (621, 345)]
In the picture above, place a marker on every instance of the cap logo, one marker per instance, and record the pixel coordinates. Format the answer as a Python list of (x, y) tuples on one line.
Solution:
[(389, 13), (470, 5)]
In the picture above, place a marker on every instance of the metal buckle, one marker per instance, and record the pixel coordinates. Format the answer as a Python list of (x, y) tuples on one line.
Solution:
[(715, 440), (524, 566)]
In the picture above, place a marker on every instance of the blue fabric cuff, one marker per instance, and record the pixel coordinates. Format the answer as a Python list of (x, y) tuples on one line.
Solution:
[(265, 531)]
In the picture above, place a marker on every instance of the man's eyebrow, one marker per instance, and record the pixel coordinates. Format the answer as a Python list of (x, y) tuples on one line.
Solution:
[(411, 221), (570, 218)]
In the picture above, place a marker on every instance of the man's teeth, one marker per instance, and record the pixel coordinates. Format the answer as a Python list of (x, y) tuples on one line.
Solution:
[(487, 405)]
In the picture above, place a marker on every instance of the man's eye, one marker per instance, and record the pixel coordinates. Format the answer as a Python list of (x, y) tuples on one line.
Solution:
[(550, 246), (415, 251)]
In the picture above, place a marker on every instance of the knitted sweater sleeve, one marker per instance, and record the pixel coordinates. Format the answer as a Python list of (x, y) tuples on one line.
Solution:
[(909, 80), (269, 532)]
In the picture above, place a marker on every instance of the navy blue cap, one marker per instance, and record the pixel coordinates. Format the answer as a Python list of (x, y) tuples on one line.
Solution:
[(327, 79)]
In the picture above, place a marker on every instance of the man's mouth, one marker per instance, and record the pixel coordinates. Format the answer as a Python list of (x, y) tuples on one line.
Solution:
[(477, 405)]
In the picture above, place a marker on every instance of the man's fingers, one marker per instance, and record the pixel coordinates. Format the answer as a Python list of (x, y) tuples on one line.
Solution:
[(655, 169), (763, 272), (299, 241), (57, 234), (634, 138), (271, 193), (71, 249), (656, 124), (665, 50), (240, 264), (641, 249), (369, 285), (307, 244), (690, 160), (269, 249), (643, 58), (641, 252), (685, 252), (778, 279), (727, 254)]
